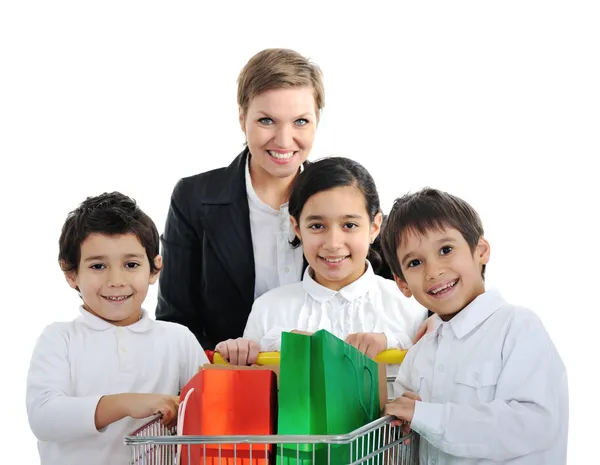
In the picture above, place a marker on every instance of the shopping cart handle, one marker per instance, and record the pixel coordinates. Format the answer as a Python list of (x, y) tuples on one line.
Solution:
[(390, 356)]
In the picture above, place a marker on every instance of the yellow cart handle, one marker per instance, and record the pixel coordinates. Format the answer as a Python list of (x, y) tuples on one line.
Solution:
[(389, 356)]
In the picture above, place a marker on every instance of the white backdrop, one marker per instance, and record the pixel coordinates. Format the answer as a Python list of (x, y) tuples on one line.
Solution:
[(497, 102)]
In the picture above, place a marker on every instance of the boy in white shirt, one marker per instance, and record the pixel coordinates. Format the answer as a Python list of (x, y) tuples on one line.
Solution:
[(96, 379), (487, 385)]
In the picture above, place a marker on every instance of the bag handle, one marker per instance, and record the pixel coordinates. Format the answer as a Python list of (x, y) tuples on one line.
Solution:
[(370, 413)]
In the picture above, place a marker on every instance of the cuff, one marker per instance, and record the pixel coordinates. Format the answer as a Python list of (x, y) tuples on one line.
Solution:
[(428, 419), (271, 341), (397, 341)]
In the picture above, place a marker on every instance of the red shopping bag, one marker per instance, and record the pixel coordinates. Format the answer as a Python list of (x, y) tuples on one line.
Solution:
[(228, 402)]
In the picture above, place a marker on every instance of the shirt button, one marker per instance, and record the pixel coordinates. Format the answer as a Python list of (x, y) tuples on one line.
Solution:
[(286, 269)]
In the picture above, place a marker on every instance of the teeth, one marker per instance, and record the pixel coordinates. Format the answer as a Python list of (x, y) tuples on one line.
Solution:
[(117, 298), (451, 284), (334, 260), (281, 156)]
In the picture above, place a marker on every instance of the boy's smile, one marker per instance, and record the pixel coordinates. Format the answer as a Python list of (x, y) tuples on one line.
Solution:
[(113, 277), (440, 270)]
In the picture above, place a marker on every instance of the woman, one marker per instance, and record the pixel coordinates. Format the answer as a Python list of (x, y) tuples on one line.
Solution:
[(227, 234)]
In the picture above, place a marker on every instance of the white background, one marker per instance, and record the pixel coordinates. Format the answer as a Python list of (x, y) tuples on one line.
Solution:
[(497, 102)]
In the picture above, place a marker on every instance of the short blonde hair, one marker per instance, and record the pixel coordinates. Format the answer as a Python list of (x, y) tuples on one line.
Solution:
[(276, 68)]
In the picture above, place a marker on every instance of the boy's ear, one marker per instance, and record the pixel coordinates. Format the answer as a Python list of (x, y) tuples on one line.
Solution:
[(158, 263), (376, 226), (483, 251), (403, 286), (296, 227), (71, 277)]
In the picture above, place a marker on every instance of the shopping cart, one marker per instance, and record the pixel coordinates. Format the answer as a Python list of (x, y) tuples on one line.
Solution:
[(377, 443)]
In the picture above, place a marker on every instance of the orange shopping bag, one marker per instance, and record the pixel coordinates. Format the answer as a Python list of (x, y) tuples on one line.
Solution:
[(228, 402)]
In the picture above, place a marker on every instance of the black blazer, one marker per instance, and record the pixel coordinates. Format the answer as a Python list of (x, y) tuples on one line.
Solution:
[(207, 282)]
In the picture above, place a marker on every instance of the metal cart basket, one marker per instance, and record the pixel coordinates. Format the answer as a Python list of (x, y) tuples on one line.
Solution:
[(377, 443)]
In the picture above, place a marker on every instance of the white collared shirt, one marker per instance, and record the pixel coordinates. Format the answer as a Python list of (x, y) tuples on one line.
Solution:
[(75, 363), (276, 263), (493, 386), (371, 304)]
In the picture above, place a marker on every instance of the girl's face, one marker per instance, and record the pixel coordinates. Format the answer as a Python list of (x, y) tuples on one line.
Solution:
[(336, 233), (280, 127)]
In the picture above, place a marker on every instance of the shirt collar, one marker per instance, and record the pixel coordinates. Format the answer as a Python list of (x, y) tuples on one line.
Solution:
[(350, 292), (482, 307), (144, 324)]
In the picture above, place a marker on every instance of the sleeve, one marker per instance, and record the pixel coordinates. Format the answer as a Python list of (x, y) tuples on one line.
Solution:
[(193, 357), (402, 382), (179, 299), (401, 318), (262, 328), (54, 413), (526, 415)]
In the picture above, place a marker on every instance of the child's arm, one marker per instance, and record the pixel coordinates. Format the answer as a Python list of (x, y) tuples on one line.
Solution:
[(530, 403), (54, 413), (57, 415), (118, 406), (401, 322)]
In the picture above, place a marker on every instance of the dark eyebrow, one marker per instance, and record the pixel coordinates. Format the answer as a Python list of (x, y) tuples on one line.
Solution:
[(104, 257), (445, 239), (320, 218), (406, 258)]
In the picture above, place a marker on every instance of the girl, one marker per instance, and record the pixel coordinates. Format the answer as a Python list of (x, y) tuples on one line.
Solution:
[(335, 213)]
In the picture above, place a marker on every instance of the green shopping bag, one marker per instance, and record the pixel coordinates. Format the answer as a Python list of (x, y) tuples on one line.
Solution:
[(326, 386)]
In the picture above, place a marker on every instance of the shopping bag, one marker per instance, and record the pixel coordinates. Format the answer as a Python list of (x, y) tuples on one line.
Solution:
[(326, 386), (228, 402)]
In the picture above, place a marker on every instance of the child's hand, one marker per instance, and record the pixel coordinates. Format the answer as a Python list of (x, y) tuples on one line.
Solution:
[(238, 351), (427, 327), (145, 405), (403, 408), (369, 344)]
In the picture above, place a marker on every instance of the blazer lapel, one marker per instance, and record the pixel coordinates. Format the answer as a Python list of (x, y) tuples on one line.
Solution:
[(227, 227)]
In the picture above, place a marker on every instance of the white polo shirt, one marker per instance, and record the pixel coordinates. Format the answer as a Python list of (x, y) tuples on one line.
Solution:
[(75, 363)]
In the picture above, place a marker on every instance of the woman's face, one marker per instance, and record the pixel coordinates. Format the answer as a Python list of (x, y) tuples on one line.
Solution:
[(280, 127)]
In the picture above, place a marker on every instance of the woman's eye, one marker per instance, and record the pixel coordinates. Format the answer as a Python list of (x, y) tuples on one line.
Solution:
[(132, 265), (301, 122), (350, 225), (316, 226), (97, 266), (265, 121)]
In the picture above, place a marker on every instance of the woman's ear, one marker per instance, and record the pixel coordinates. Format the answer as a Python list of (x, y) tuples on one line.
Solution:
[(242, 119)]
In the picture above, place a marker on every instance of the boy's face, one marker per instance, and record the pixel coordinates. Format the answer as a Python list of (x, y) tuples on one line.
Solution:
[(113, 277), (440, 270)]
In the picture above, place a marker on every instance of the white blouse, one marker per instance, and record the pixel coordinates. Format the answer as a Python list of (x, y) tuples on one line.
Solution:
[(371, 304)]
